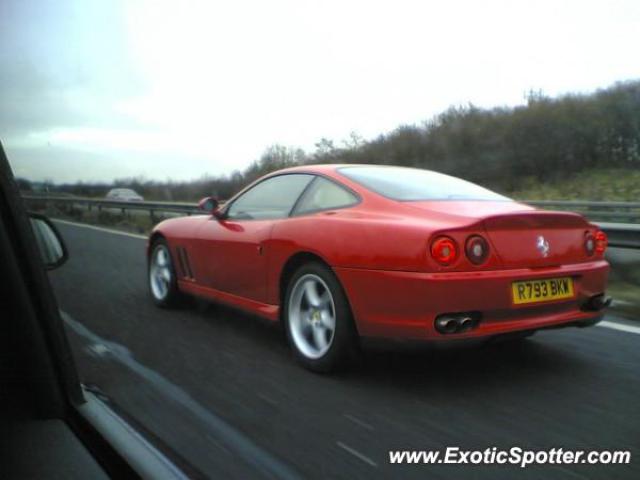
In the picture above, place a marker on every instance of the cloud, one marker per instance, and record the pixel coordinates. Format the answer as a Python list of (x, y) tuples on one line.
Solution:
[(63, 64), (133, 83)]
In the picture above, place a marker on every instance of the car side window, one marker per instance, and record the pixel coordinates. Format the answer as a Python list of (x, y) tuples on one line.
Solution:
[(324, 194), (270, 199)]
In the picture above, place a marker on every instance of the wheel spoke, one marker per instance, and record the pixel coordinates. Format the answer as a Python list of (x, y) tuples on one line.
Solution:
[(320, 337), (325, 299), (328, 320), (166, 274), (311, 293), (306, 330), (162, 257), (159, 286), (160, 273)]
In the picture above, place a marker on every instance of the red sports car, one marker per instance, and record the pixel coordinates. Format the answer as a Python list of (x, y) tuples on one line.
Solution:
[(338, 252)]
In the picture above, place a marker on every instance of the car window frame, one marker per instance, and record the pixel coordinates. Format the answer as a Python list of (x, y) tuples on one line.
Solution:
[(243, 192), (121, 449), (305, 192)]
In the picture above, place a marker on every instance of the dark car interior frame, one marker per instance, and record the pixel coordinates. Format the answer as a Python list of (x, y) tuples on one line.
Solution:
[(50, 426)]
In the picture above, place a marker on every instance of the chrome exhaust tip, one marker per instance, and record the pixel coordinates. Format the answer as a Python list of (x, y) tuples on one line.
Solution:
[(449, 323), (597, 303), (466, 323), (446, 324)]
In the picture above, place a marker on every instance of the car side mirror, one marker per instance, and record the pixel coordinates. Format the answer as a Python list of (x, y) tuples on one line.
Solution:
[(52, 248), (211, 206)]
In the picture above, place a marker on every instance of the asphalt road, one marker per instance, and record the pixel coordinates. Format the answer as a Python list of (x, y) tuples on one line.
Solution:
[(221, 388)]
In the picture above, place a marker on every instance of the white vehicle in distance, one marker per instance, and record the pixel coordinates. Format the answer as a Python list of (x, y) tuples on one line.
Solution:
[(124, 194)]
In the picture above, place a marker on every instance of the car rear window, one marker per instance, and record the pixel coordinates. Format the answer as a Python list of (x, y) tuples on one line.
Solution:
[(413, 184)]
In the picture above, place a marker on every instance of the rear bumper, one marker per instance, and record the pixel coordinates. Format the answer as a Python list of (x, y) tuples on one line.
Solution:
[(395, 304)]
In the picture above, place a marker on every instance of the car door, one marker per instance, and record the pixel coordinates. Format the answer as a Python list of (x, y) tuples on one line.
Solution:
[(232, 251)]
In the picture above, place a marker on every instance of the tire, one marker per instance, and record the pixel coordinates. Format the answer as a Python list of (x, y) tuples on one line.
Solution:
[(318, 320), (161, 276)]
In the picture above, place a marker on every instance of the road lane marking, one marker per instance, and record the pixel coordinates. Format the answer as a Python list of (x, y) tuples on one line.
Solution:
[(622, 327), (100, 229), (357, 421), (227, 434), (266, 399), (98, 349), (621, 302), (357, 454), (219, 445)]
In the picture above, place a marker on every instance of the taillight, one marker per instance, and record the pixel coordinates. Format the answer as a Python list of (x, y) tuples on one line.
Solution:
[(444, 250), (601, 241), (477, 249), (589, 243)]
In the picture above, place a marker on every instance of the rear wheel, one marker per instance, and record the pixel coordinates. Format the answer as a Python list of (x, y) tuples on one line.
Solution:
[(318, 319), (163, 283)]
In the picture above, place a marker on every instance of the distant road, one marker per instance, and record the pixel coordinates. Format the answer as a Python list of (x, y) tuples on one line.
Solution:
[(221, 388)]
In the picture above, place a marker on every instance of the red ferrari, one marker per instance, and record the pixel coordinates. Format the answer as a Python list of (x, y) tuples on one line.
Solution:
[(338, 252)]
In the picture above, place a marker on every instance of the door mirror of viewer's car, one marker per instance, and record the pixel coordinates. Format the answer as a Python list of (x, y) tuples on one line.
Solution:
[(211, 206), (52, 248)]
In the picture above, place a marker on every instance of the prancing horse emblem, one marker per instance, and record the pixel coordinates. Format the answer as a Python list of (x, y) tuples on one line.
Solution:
[(543, 246)]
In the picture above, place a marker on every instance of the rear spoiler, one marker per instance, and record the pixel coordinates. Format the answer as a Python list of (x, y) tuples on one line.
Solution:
[(536, 219)]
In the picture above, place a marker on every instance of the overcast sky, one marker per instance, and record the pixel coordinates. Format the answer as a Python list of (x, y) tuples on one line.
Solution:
[(97, 90)]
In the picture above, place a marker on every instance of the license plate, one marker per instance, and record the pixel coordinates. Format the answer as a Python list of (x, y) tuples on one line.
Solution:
[(533, 291)]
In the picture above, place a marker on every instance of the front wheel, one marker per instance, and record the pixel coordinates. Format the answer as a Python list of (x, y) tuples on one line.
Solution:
[(163, 283), (318, 319)]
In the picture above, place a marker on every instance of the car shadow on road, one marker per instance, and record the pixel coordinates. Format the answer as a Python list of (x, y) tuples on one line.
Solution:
[(470, 362)]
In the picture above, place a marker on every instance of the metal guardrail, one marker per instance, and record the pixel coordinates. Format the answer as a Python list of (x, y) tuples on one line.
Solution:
[(184, 208), (624, 233), (623, 212)]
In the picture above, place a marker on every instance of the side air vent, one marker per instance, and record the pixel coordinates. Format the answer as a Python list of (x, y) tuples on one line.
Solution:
[(185, 266)]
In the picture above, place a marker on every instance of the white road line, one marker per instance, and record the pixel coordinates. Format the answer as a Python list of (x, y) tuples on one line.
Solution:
[(622, 327), (621, 302), (219, 445), (100, 229), (266, 399), (358, 421), (226, 434), (357, 454)]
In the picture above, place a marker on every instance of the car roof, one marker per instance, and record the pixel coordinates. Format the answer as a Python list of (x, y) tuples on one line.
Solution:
[(128, 190), (333, 167), (318, 168)]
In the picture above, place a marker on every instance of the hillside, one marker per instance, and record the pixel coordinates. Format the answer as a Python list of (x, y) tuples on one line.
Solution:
[(575, 146), (617, 184)]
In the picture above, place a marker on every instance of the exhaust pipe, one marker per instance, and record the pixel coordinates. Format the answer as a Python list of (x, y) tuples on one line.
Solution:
[(466, 323), (597, 303), (449, 323)]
